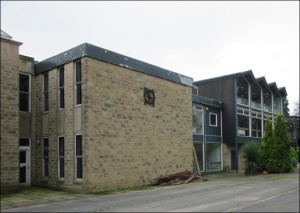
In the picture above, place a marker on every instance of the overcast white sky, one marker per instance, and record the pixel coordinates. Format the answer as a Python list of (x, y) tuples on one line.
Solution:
[(199, 39)]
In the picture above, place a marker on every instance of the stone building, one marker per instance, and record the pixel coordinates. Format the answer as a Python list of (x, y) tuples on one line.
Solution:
[(92, 119), (89, 118), (17, 114)]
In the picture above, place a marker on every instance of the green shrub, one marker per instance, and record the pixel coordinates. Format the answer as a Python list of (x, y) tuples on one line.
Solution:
[(252, 154)]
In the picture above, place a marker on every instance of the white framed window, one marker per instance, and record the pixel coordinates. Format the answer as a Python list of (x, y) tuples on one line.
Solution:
[(78, 94), (78, 157), (46, 92), (24, 92), (213, 119), (45, 157), (61, 88), (61, 157)]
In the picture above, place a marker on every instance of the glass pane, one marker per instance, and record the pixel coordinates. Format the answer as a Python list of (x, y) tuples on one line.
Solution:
[(78, 93), (61, 77), (24, 83), (46, 147), (46, 82), (199, 153), (213, 156), (242, 91), (78, 145), (24, 102), (79, 168), (23, 141), (46, 102), (61, 168), (256, 127), (61, 98), (243, 125), (22, 157), (46, 166), (213, 119), (61, 146), (78, 72), (197, 122)]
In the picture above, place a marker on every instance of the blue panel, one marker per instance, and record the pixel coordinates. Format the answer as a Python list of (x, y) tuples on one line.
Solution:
[(197, 137), (247, 139), (213, 139)]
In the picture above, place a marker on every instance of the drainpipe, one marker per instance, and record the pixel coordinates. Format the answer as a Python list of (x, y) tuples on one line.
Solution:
[(235, 125)]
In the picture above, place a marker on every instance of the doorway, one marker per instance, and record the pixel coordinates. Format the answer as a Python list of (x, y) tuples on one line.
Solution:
[(24, 166)]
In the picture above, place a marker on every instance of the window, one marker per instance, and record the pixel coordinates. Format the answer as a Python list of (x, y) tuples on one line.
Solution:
[(197, 119), (256, 128), (61, 88), (242, 91), (46, 157), (23, 141), (255, 96), (213, 156), (61, 157), (24, 92), (243, 125), (199, 154), (78, 95), (46, 92), (78, 157), (213, 119)]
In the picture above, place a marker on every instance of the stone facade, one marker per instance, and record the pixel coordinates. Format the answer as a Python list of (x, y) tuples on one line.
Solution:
[(9, 114), (125, 142), (128, 143)]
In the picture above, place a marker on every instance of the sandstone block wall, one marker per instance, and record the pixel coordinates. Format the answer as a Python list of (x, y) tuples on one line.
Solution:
[(9, 115), (128, 143)]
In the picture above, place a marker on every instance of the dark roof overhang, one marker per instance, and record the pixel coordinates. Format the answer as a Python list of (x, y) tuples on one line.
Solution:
[(112, 58), (246, 74), (273, 87), (262, 82), (282, 91), (207, 101), (249, 76)]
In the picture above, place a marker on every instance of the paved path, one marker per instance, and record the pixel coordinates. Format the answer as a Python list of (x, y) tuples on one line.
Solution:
[(222, 193)]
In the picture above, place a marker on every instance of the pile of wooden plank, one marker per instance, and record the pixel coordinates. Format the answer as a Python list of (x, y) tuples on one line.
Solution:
[(177, 178)]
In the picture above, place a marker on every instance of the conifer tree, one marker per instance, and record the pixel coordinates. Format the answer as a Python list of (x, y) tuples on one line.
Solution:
[(276, 146), (281, 145), (267, 141)]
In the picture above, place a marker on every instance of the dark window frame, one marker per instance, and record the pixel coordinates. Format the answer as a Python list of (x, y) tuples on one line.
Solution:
[(24, 93), (78, 83), (46, 92), (61, 157), (61, 88), (46, 157), (78, 157)]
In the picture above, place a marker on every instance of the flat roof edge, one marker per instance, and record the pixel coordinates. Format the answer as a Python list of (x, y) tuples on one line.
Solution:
[(111, 57), (207, 101)]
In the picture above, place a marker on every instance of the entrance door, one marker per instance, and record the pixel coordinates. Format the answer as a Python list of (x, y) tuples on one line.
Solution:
[(24, 165)]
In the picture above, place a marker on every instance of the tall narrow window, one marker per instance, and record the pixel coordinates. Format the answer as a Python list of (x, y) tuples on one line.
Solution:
[(61, 88), (78, 157), (61, 157), (24, 92), (78, 94), (46, 157), (46, 92)]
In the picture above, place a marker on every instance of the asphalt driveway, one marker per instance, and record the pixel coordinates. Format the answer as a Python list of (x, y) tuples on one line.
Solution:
[(223, 192)]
